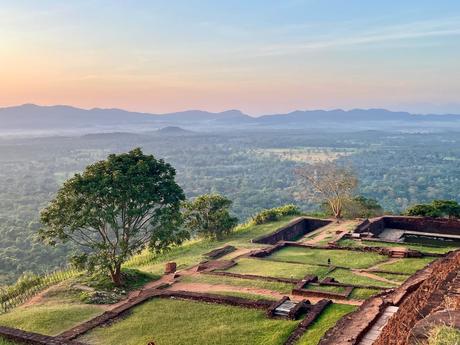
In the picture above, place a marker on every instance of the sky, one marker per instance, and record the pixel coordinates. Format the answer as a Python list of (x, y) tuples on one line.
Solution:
[(261, 57)]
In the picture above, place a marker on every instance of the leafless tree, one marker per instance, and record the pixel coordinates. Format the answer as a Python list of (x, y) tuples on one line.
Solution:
[(327, 182)]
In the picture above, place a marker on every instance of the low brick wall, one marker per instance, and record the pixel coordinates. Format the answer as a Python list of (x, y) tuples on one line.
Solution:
[(24, 337), (423, 224), (219, 252), (313, 313), (295, 229), (146, 295)]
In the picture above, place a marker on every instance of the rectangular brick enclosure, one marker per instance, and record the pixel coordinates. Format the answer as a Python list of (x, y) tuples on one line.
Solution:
[(422, 224), (292, 231)]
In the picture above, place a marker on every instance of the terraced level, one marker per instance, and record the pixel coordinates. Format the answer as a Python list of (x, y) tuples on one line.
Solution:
[(172, 322)]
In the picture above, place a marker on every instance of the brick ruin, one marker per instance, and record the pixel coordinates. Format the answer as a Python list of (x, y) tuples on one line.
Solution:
[(292, 231), (422, 224), (428, 297), (435, 289)]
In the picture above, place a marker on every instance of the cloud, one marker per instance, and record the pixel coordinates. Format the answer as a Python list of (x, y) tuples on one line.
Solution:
[(409, 31)]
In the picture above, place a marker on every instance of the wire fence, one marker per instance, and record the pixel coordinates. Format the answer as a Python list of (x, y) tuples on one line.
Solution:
[(30, 285)]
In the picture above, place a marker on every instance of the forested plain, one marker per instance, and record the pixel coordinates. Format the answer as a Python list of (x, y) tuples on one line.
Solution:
[(252, 168)]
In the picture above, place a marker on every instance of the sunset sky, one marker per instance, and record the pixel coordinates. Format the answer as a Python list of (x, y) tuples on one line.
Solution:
[(258, 56)]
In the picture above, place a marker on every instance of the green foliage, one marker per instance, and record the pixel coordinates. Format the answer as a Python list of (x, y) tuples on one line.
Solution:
[(273, 214), (212, 324), (398, 170), (132, 280), (114, 209), (437, 209), (357, 207), (209, 216), (444, 335)]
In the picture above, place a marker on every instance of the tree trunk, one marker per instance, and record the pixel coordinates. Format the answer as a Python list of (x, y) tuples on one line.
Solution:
[(115, 274)]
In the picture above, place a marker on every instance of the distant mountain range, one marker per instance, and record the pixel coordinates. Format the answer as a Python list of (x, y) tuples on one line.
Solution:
[(30, 118)]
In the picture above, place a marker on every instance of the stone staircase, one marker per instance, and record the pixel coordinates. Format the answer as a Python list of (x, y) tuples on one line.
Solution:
[(375, 330), (284, 309)]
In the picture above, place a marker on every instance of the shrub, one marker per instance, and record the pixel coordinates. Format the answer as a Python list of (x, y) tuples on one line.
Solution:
[(273, 214)]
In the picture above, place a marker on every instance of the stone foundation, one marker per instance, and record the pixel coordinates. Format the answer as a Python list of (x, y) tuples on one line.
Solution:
[(292, 231)]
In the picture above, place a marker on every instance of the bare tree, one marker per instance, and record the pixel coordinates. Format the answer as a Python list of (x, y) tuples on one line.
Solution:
[(327, 182)]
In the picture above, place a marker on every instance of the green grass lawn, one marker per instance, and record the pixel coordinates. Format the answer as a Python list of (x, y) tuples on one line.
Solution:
[(325, 321), (191, 252), (6, 342), (419, 247), (258, 284), (363, 294), (347, 277), (393, 277), (407, 266), (49, 319), (325, 288), (443, 335), (176, 322), (345, 258), (271, 268)]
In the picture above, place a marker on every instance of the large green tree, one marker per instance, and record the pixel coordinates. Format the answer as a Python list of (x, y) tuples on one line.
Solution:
[(116, 208), (209, 216), (437, 209)]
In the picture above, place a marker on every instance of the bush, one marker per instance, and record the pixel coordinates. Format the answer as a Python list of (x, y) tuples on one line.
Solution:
[(437, 209), (273, 214)]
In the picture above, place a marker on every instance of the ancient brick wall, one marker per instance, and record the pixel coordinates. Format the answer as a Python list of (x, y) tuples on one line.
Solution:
[(430, 225), (428, 298), (424, 224), (24, 337), (292, 231)]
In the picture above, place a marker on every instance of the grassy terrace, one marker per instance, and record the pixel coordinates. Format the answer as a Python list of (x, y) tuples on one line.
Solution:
[(419, 247), (276, 269), (345, 258), (257, 284), (407, 266), (49, 319), (168, 322), (191, 252)]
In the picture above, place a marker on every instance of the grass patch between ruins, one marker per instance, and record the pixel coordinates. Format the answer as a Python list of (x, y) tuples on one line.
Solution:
[(425, 249), (270, 268), (49, 319), (344, 258), (325, 321), (283, 288), (173, 322), (407, 266)]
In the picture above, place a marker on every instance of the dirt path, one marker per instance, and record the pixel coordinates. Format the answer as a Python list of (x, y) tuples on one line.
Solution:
[(206, 288), (377, 266), (374, 276), (329, 230), (38, 298), (166, 279)]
